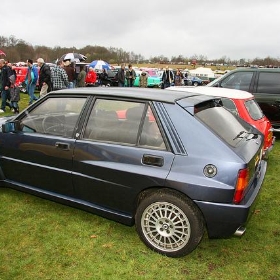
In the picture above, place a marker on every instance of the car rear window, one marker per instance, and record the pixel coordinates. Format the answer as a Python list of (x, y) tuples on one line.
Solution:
[(222, 122), (254, 109)]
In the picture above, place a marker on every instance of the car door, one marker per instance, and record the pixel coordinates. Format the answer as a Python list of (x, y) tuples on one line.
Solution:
[(267, 94), (118, 156), (40, 155), (238, 80)]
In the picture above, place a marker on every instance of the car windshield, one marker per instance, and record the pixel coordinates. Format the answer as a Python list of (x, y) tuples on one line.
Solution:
[(214, 82), (222, 122), (153, 74), (254, 109)]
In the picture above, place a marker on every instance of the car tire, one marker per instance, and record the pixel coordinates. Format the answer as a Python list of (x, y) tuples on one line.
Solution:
[(169, 223), (195, 84)]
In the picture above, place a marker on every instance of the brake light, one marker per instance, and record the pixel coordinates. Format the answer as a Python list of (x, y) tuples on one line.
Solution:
[(241, 185), (269, 137)]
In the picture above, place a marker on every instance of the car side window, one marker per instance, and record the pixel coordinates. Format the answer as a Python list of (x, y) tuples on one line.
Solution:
[(151, 135), (269, 83), (114, 121), (123, 122), (55, 116), (230, 105), (238, 80)]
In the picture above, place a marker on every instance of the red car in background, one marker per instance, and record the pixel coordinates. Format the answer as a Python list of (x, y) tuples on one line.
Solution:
[(243, 104), (21, 72)]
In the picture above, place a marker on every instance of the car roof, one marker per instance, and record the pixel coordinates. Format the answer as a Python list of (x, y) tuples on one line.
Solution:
[(242, 69), (215, 91), (167, 96), (255, 70)]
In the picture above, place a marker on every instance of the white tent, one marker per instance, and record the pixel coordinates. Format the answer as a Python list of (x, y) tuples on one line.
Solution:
[(202, 72)]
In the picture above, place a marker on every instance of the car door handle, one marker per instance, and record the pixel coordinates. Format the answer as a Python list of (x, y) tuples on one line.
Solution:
[(152, 160), (62, 146)]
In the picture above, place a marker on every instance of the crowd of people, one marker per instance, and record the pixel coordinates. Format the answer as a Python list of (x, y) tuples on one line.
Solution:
[(47, 78), (63, 75)]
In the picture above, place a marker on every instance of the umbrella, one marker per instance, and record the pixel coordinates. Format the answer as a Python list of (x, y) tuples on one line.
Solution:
[(100, 64), (2, 53), (77, 57)]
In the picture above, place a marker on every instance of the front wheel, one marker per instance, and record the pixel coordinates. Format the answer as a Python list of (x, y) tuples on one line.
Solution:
[(169, 223)]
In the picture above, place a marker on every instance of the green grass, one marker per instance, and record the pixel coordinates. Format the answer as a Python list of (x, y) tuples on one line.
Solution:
[(40, 239), (23, 103)]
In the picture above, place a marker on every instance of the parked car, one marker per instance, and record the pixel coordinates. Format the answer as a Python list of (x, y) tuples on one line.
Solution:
[(153, 81), (243, 104), (193, 81), (21, 72), (205, 80), (151, 71), (177, 164), (111, 80), (263, 83)]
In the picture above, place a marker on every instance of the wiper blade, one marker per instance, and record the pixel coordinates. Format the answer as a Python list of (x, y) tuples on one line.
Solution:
[(239, 135), (252, 136)]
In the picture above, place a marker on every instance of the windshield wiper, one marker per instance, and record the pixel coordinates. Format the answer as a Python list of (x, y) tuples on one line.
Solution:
[(239, 135), (253, 136)]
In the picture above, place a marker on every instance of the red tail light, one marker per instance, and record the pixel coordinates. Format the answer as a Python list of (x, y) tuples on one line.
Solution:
[(241, 185)]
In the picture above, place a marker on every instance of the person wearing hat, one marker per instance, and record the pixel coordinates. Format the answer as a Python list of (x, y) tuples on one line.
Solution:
[(143, 80)]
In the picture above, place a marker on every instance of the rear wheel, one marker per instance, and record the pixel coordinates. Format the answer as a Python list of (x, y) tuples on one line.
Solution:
[(169, 223), (195, 84)]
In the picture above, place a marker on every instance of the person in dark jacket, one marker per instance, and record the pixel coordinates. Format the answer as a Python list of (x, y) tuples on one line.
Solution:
[(121, 76), (68, 67), (6, 84), (130, 76), (45, 84), (167, 78), (81, 77), (103, 77), (14, 91)]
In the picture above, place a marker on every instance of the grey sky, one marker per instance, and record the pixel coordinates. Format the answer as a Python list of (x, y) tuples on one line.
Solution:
[(235, 29)]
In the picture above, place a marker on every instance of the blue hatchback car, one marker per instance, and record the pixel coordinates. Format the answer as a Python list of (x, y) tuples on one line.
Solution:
[(193, 81), (175, 164)]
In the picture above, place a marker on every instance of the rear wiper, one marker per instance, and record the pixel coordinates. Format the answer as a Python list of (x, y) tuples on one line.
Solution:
[(239, 135), (253, 136)]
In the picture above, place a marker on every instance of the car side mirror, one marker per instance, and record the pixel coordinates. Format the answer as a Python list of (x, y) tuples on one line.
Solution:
[(12, 126)]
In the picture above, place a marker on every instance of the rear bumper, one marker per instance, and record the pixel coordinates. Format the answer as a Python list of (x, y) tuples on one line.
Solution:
[(222, 220), (267, 151)]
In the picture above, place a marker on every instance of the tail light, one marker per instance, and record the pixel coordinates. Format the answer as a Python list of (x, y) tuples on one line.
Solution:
[(241, 185), (269, 136)]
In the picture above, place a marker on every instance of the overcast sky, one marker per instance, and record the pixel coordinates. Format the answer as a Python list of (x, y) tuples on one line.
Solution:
[(232, 28)]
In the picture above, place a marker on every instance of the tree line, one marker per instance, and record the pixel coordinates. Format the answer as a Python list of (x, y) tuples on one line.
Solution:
[(19, 50)]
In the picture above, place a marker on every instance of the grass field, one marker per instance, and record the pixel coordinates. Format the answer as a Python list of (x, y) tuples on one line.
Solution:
[(40, 239)]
